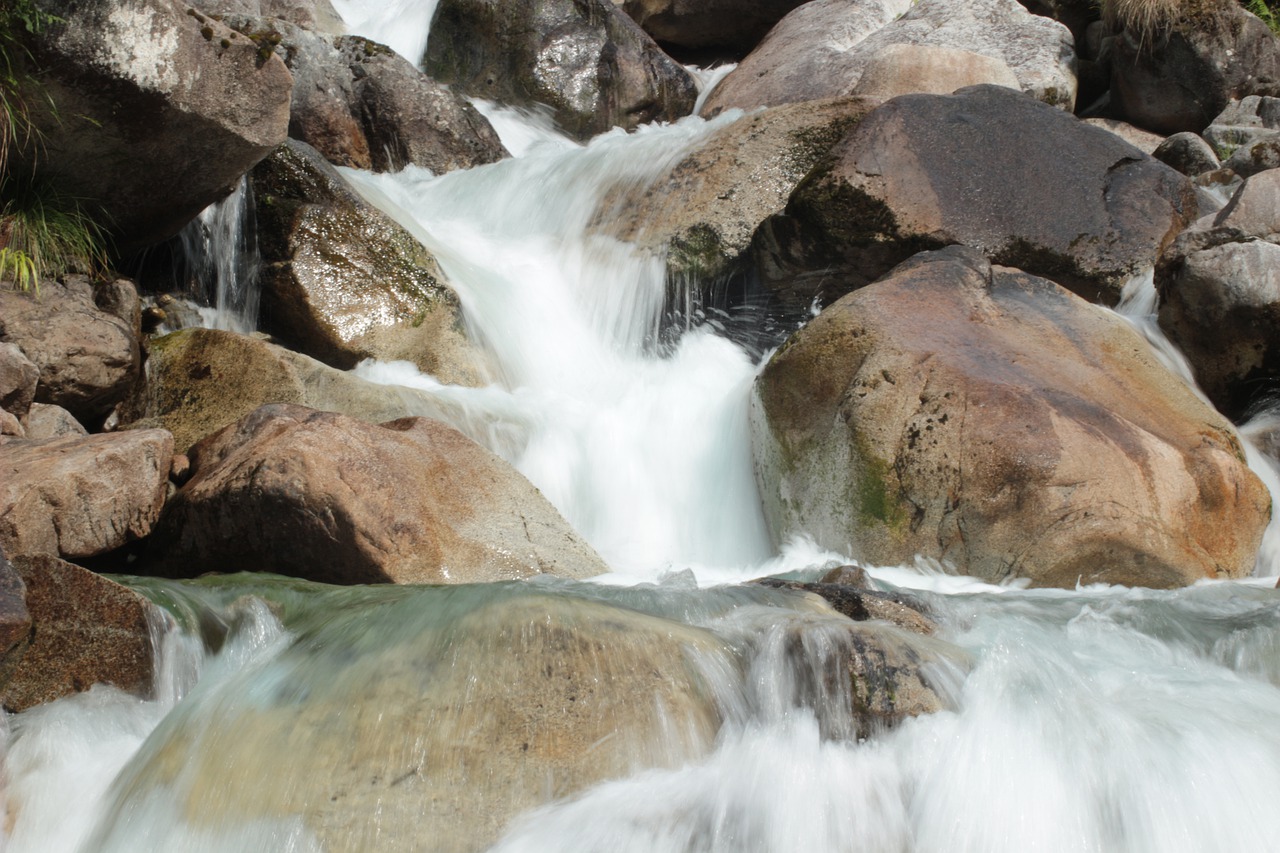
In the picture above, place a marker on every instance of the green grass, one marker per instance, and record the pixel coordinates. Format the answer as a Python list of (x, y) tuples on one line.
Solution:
[(1266, 11), (43, 233)]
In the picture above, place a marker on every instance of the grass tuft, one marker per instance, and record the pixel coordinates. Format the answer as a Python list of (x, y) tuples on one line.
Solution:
[(44, 233)]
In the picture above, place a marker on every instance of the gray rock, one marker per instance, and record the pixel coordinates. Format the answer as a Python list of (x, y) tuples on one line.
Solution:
[(15, 621), (342, 282), (144, 88), (1188, 153), (81, 496), (1029, 185), (10, 426), (735, 25), (18, 378), (330, 498), (586, 59), (1257, 157), (1145, 142), (823, 48), (992, 419)]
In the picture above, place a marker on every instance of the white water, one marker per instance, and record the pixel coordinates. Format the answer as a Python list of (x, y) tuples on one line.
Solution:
[(221, 251)]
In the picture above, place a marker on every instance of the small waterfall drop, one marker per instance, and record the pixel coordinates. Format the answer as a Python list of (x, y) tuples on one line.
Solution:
[(220, 247)]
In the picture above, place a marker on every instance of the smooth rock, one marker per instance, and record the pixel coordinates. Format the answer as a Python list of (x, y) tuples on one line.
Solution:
[(861, 603), (586, 59), (1178, 77), (330, 498), (18, 378), (991, 419), (1219, 288), (49, 421), (88, 359), (141, 87), (903, 69), (1145, 142), (86, 630), (735, 25), (342, 282), (201, 380), (10, 426), (447, 735), (822, 49), (1188, 153), (80, 496), (1258, 157), (1029, 185), (315, 15)]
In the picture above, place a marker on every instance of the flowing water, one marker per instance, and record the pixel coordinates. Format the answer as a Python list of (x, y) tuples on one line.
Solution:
[(220, 251), (295, 717)]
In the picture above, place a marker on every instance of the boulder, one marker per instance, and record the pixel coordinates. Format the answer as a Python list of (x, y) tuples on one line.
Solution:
[(587, 60), (1242, 123), (88, 358), (86, 630), (151, 87), (316, 15), (1029, 185), (702, 213), (903, 69), (1219, 288), (15, 621), (48, 421), (200, 380), (330, 498), (361, 105), (1145, 142), (992, 419), (81, 496), (18, 378), (1254, 158), (342, 282), (485, 713), (10, 426), (1188, 153), (733, 25), (859, 602), (823, 49), (1177, 74)]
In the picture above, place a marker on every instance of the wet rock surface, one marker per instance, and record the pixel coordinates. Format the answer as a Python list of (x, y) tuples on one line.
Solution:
[(1027, 184), (1016, 432), (329, 498)]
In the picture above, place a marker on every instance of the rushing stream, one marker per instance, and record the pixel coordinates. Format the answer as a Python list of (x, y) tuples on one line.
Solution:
[(1099, 719)]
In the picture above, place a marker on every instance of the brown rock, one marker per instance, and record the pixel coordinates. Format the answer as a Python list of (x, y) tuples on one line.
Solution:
[(88, 359), (853, 597), (992, 419), (330, 498), (48, 421), (11, 426), (144, 88), (1029, 185), (81, 496), (87, 630), (904, 69), (18, 378), (342, 282)]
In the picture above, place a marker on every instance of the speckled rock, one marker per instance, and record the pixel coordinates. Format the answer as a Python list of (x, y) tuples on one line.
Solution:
[(822, 49), (994, 420), (81, 496), (316, 15), (86, 630), (342, 282), (141, 87), (586, 59), (1029, 185), (49, 421), (1188, 153), (859, 602), (329, 498), (903, 69)]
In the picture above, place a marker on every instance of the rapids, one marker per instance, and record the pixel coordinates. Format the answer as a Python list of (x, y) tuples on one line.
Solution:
[(1096, 719)]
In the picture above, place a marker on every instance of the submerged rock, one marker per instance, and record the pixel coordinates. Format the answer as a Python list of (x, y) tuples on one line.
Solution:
[(86, 630), (375, 739), (81, 496), (586, 59), (1029, 185), (145, 88), (342, 282), (1219, 286), (991, 419), (329, 498), (824, 48)]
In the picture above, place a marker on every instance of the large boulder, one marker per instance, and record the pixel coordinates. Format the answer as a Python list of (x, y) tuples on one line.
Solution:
[(81, 496), (88, 358), (141, 87), (989, 418), (330, 498), (1029, 185), (1178, 74), (200, 380), (342, 282), (1219, 286), (85, 630), (586, 59), (824, 48), (702, 213), (362, 105), (734, 25), (436, 727)]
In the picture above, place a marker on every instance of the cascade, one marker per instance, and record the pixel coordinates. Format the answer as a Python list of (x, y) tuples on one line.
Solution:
[(220, 248), (1094, 719)]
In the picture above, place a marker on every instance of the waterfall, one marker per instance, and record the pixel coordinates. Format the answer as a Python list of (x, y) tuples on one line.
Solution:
[(220, 247)]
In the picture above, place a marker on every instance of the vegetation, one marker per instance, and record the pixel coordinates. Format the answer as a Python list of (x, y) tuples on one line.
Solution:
[(42, 232), (1146, 18), (1267, 11)]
